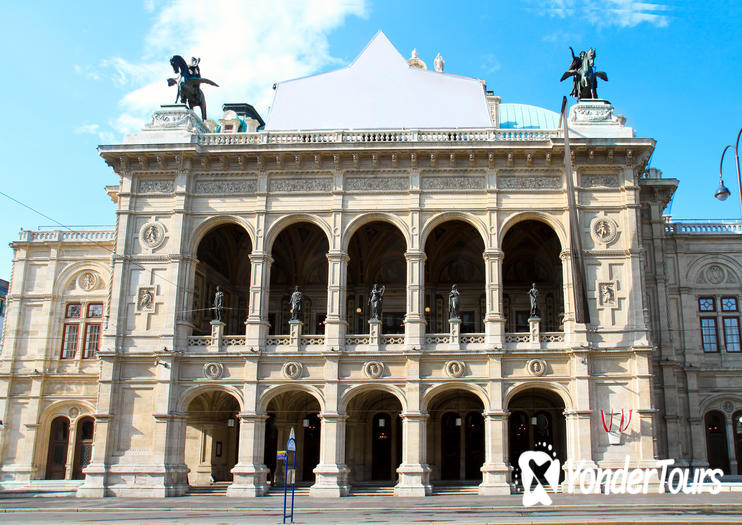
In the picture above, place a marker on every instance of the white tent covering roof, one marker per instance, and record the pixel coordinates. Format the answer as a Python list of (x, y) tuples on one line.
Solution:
[(379, 90)]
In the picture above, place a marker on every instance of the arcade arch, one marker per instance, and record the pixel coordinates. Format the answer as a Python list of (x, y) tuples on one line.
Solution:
[(211, 437), (299, 255), (376, 255), (373, 436), (456, 436), (454, 256), (223, 260), (532, 255)]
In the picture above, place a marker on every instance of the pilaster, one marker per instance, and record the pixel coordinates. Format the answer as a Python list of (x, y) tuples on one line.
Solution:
[(256, 326), (415, 319), (414, 475)]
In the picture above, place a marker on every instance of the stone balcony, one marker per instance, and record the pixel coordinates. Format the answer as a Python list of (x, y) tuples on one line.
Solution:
[(701, 227)]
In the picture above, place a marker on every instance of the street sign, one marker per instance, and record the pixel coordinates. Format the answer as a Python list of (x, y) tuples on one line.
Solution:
[(289, 475)]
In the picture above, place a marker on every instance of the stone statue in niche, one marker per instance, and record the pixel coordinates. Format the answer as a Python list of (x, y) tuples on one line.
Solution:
[(376, 300), (533, 297), (297, 305), (607, 295), (454, 300), (218, 304)]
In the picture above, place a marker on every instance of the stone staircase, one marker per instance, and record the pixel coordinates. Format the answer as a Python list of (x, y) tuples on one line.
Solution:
[(372, 488), (301, 489), (218, 488), (463, 488)]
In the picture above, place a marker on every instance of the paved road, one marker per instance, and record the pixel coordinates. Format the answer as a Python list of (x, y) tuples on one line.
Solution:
[(26, 509)]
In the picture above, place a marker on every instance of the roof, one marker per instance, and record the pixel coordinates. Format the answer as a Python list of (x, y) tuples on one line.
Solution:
[(379, 90), (523, 116)]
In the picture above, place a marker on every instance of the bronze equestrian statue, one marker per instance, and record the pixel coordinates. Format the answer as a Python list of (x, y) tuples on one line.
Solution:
[(585, 78), (189, 83)]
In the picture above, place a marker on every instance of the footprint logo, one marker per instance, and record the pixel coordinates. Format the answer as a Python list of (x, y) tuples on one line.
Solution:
[(539, 465)]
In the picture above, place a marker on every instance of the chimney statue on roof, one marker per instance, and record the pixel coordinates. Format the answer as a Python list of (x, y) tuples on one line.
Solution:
[(415, 61), (438, 63)]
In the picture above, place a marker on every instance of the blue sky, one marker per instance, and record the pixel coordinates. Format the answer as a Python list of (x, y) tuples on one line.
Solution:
[(80, 74)]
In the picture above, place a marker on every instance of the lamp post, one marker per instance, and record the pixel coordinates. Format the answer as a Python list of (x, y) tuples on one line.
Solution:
[(722, 193)]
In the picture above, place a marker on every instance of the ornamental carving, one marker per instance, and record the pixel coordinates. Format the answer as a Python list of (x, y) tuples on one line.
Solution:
[(74, 412), (607, 294), (213, 370), (226, 186), (455, 368), (530, 183), (604, 230), (146, 299), (377, 183), (587, 112), (452, 183), (292, 369), (300, 185), (152, 235), (714, 274), (177, 118), (727, 406), (373, 369), (536, 367), (156, 186), (600, 181), (87, 281)]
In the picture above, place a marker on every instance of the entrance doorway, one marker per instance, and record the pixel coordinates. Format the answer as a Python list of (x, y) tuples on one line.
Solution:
[(59, 437), (298, 411), (212, 437), (373, 439), (716, 441), (536, 422), (83, 446), (456, 436)]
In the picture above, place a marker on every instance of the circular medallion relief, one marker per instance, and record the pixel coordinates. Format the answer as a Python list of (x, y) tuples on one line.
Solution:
[(455, 368), (536, 367), (292, 369), (714, 274), (74, 412), (87, 281), (152, 235), (213, 370), (728, 407), (373, 369), (604, 230)]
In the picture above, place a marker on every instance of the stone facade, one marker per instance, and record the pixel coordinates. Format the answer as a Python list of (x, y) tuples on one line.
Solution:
[(118, 327)]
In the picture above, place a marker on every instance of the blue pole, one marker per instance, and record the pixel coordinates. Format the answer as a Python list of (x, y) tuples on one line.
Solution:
[(285, 474), (293, 485)]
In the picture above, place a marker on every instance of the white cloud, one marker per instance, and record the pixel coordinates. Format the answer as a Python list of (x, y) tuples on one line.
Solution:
[(621, 13), (245, 47), (95, 129), (490, 64)]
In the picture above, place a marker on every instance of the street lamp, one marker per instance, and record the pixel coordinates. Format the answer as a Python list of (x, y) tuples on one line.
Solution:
[(722, 192)]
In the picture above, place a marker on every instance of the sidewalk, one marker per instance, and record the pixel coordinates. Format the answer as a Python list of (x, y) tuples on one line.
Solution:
[(567, 508)]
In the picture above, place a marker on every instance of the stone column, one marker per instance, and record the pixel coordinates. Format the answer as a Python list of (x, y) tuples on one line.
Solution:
[(698, 433), (495, 472), (569, 307), (494, 321), (71, 442), (414, 321), (250, 475), (336, 324), (331, 474), (414, 475), (730, 444), (579, 439), (256, 326)]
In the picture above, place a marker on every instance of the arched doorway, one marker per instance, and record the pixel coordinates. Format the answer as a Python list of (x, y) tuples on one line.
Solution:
[(212, 437), (83, 446), (373, 438), (737, 423), (223, 260), (376, 255), (456, 436), (300, 411), (536, 422), (454, 256), (59, 436), (716, 441), (532, 251), (299, 259)]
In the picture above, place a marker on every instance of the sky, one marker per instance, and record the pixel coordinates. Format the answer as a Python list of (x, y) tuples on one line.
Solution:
[(81, 74)]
